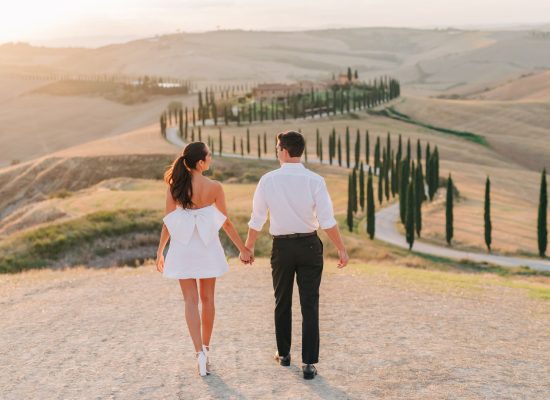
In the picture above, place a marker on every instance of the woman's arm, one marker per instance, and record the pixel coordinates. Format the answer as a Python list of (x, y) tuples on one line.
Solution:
[(164, 234), (228, 226)]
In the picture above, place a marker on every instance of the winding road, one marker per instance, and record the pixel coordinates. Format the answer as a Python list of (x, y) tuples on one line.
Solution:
[(386, 230)]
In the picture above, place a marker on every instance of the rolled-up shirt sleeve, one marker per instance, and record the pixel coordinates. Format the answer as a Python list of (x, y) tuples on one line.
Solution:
[(259, 209), (323, 206)]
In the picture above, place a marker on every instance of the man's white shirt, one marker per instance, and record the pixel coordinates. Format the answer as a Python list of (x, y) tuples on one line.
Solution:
[(296, 198)]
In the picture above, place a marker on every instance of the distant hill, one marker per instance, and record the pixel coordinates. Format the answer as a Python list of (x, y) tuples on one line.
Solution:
[(427, 61), (528, 87)]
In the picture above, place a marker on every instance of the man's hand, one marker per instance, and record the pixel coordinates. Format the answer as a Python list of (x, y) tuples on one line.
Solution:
[(344, 258)]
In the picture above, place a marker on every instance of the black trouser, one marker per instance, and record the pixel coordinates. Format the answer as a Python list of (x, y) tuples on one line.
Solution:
[(302, 256)]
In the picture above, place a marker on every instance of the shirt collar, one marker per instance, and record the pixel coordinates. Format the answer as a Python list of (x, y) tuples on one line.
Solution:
[(292, 165)]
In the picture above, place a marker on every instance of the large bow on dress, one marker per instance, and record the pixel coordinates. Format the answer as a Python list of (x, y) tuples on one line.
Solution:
[(181, 223)]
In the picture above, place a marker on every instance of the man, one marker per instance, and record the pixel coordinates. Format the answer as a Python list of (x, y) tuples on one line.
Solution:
[(298, 204)]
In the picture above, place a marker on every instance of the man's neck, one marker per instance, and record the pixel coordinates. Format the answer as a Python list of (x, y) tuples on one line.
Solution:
[(292, 160)]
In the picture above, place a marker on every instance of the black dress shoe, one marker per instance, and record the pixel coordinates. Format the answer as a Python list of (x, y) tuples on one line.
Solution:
[(309, 371), (284, 361)]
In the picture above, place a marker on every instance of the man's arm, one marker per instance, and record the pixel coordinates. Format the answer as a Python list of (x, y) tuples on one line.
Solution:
[(325, 216), (258, 217), (335, 237)]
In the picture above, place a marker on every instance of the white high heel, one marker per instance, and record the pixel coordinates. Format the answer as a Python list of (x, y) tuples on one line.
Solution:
[(206, 350), (201, 362)]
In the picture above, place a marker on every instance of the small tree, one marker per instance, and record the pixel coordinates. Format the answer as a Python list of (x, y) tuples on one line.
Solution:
[(370, 207), (354, 190), (367, 148), (247, 141), (542, 222), (487, 213), (409, 222), (349, 214), (347, 147), (339, 151), (361, 186), (357, 148), (449, 211), (234, 144)]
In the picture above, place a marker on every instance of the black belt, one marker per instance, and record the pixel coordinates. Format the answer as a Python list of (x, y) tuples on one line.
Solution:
[(295, 235)]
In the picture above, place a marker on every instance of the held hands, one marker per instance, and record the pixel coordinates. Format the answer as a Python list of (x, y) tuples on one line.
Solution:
[(247, 255), (343, 258)]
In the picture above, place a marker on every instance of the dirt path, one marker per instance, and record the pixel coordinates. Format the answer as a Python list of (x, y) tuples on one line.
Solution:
[(386, 231), (119, 333)]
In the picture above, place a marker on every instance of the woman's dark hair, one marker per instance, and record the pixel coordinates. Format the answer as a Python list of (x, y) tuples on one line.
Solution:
[(292, 141), (178, 175)]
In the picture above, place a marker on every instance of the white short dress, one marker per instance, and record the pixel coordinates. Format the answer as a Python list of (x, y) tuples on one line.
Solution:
[(195, 250)]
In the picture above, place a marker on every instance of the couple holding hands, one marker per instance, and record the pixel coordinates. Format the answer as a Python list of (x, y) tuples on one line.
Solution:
[(298, 204)]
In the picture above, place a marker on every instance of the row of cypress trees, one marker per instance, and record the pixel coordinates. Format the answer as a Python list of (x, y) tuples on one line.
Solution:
[(338, 99), (397, 175)]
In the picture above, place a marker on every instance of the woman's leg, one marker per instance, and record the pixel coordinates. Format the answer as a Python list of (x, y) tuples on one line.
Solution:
[(191, 298), (207, 287)]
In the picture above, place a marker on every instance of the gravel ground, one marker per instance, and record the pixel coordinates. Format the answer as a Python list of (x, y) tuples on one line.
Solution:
[(119, 333)]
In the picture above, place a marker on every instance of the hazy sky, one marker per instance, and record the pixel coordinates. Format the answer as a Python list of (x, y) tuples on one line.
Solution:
[(41, 21)]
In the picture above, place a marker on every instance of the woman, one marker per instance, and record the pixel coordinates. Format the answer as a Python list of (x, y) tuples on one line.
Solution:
[(195, 211)]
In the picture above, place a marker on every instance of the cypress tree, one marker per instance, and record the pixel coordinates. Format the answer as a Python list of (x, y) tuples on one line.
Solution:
[(200, 134), (330, 149), (403, 186), (542, 221), (186, 124), (377, 155), (247, 141), (349, 214), (367, 149), (180, 124), (347, 147), (361, 187), (242, 148), (259, 146), (432, 177), (487, 214), (354, 189), (418, 151), (370, 207), (317, 142), (339, 151), (393, 182), (357, 148), (436, 170), (387, 167), (409, 149), (449, 211), (380, 185), (305, 151), (428, 155), (192, 134), (220, 142), (265, 143), (388, 146), (409, 221), (234, 144), (419, 197), (399, 154), (321, 150)]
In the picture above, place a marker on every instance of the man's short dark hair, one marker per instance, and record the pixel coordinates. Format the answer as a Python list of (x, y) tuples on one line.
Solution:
[(293, 142)]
